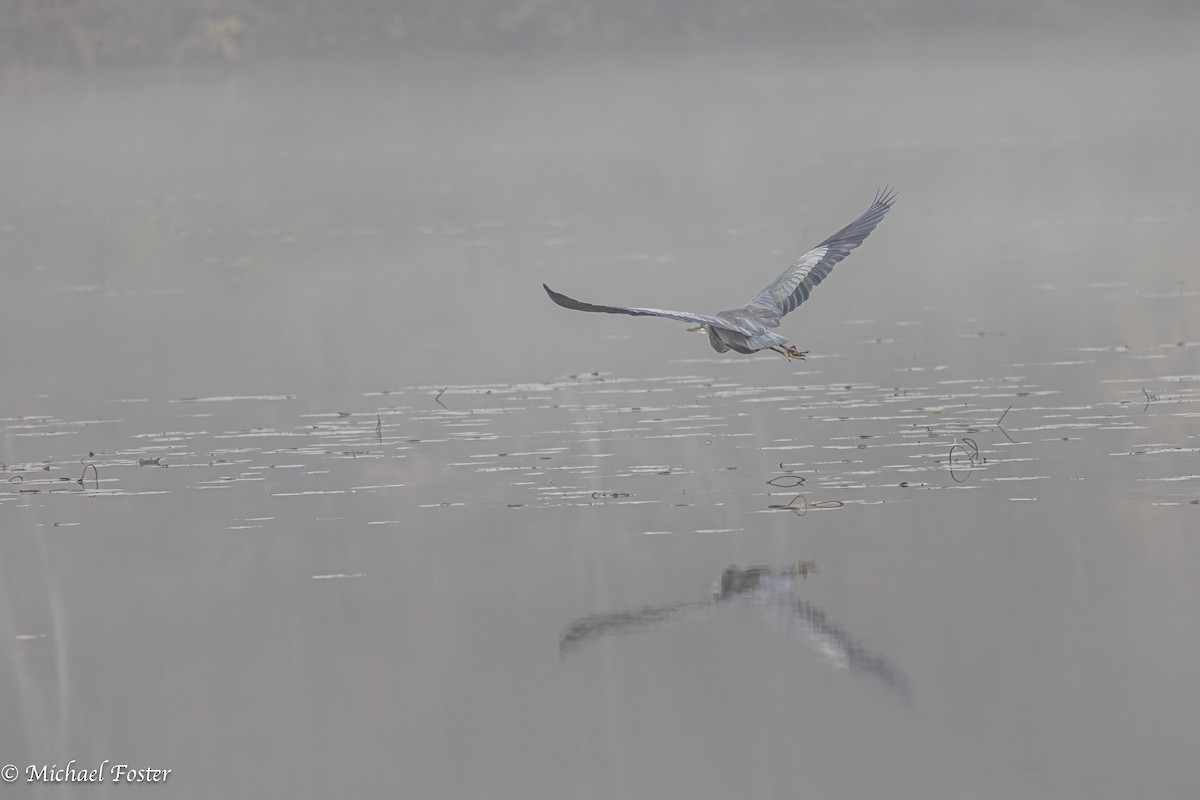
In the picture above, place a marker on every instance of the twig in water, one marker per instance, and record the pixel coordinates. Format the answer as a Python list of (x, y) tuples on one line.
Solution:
[(789, 481), (95, 474), (1002, 416), (974, 448), (801, 510), (438, 399), (967, 454), (791, 506)]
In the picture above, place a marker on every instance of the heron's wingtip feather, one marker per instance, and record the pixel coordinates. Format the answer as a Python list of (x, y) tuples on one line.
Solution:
[(559, 299), (886, 196)]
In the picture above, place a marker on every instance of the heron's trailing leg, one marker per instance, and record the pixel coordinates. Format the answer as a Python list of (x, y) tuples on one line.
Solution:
[(791, 353)]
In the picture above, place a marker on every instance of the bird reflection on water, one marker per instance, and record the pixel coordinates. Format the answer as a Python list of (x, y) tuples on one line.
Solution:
[(761, 586)]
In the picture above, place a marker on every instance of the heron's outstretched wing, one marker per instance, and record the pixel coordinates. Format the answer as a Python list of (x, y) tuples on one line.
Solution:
[(793, 287), (843, 651), (683, 316), (584, 630)]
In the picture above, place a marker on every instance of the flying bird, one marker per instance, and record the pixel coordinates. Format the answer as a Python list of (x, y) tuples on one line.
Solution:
[(744, 330)]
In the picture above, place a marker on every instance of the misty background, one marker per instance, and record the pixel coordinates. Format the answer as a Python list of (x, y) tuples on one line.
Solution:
[(40, 36)]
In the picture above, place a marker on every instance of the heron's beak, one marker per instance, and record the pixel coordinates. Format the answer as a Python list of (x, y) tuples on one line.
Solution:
[(697, 329)]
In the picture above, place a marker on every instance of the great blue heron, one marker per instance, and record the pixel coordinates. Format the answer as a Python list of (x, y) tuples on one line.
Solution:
[(744, 329)]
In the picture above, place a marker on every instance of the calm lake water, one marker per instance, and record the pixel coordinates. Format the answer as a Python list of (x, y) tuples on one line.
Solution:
[(370, 516)]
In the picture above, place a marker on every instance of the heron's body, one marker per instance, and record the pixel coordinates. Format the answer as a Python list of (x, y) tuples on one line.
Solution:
[(745, 329)]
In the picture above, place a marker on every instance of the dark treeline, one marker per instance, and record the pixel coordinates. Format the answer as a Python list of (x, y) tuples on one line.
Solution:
[(55, 35)]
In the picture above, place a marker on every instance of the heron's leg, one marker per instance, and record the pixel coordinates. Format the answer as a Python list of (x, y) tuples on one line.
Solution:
[(791, 353)]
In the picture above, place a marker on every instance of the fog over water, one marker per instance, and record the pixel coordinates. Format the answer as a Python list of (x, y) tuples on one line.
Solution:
[(371, 516)]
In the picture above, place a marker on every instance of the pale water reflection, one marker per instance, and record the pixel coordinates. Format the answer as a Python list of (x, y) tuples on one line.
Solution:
[(768, 589)]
